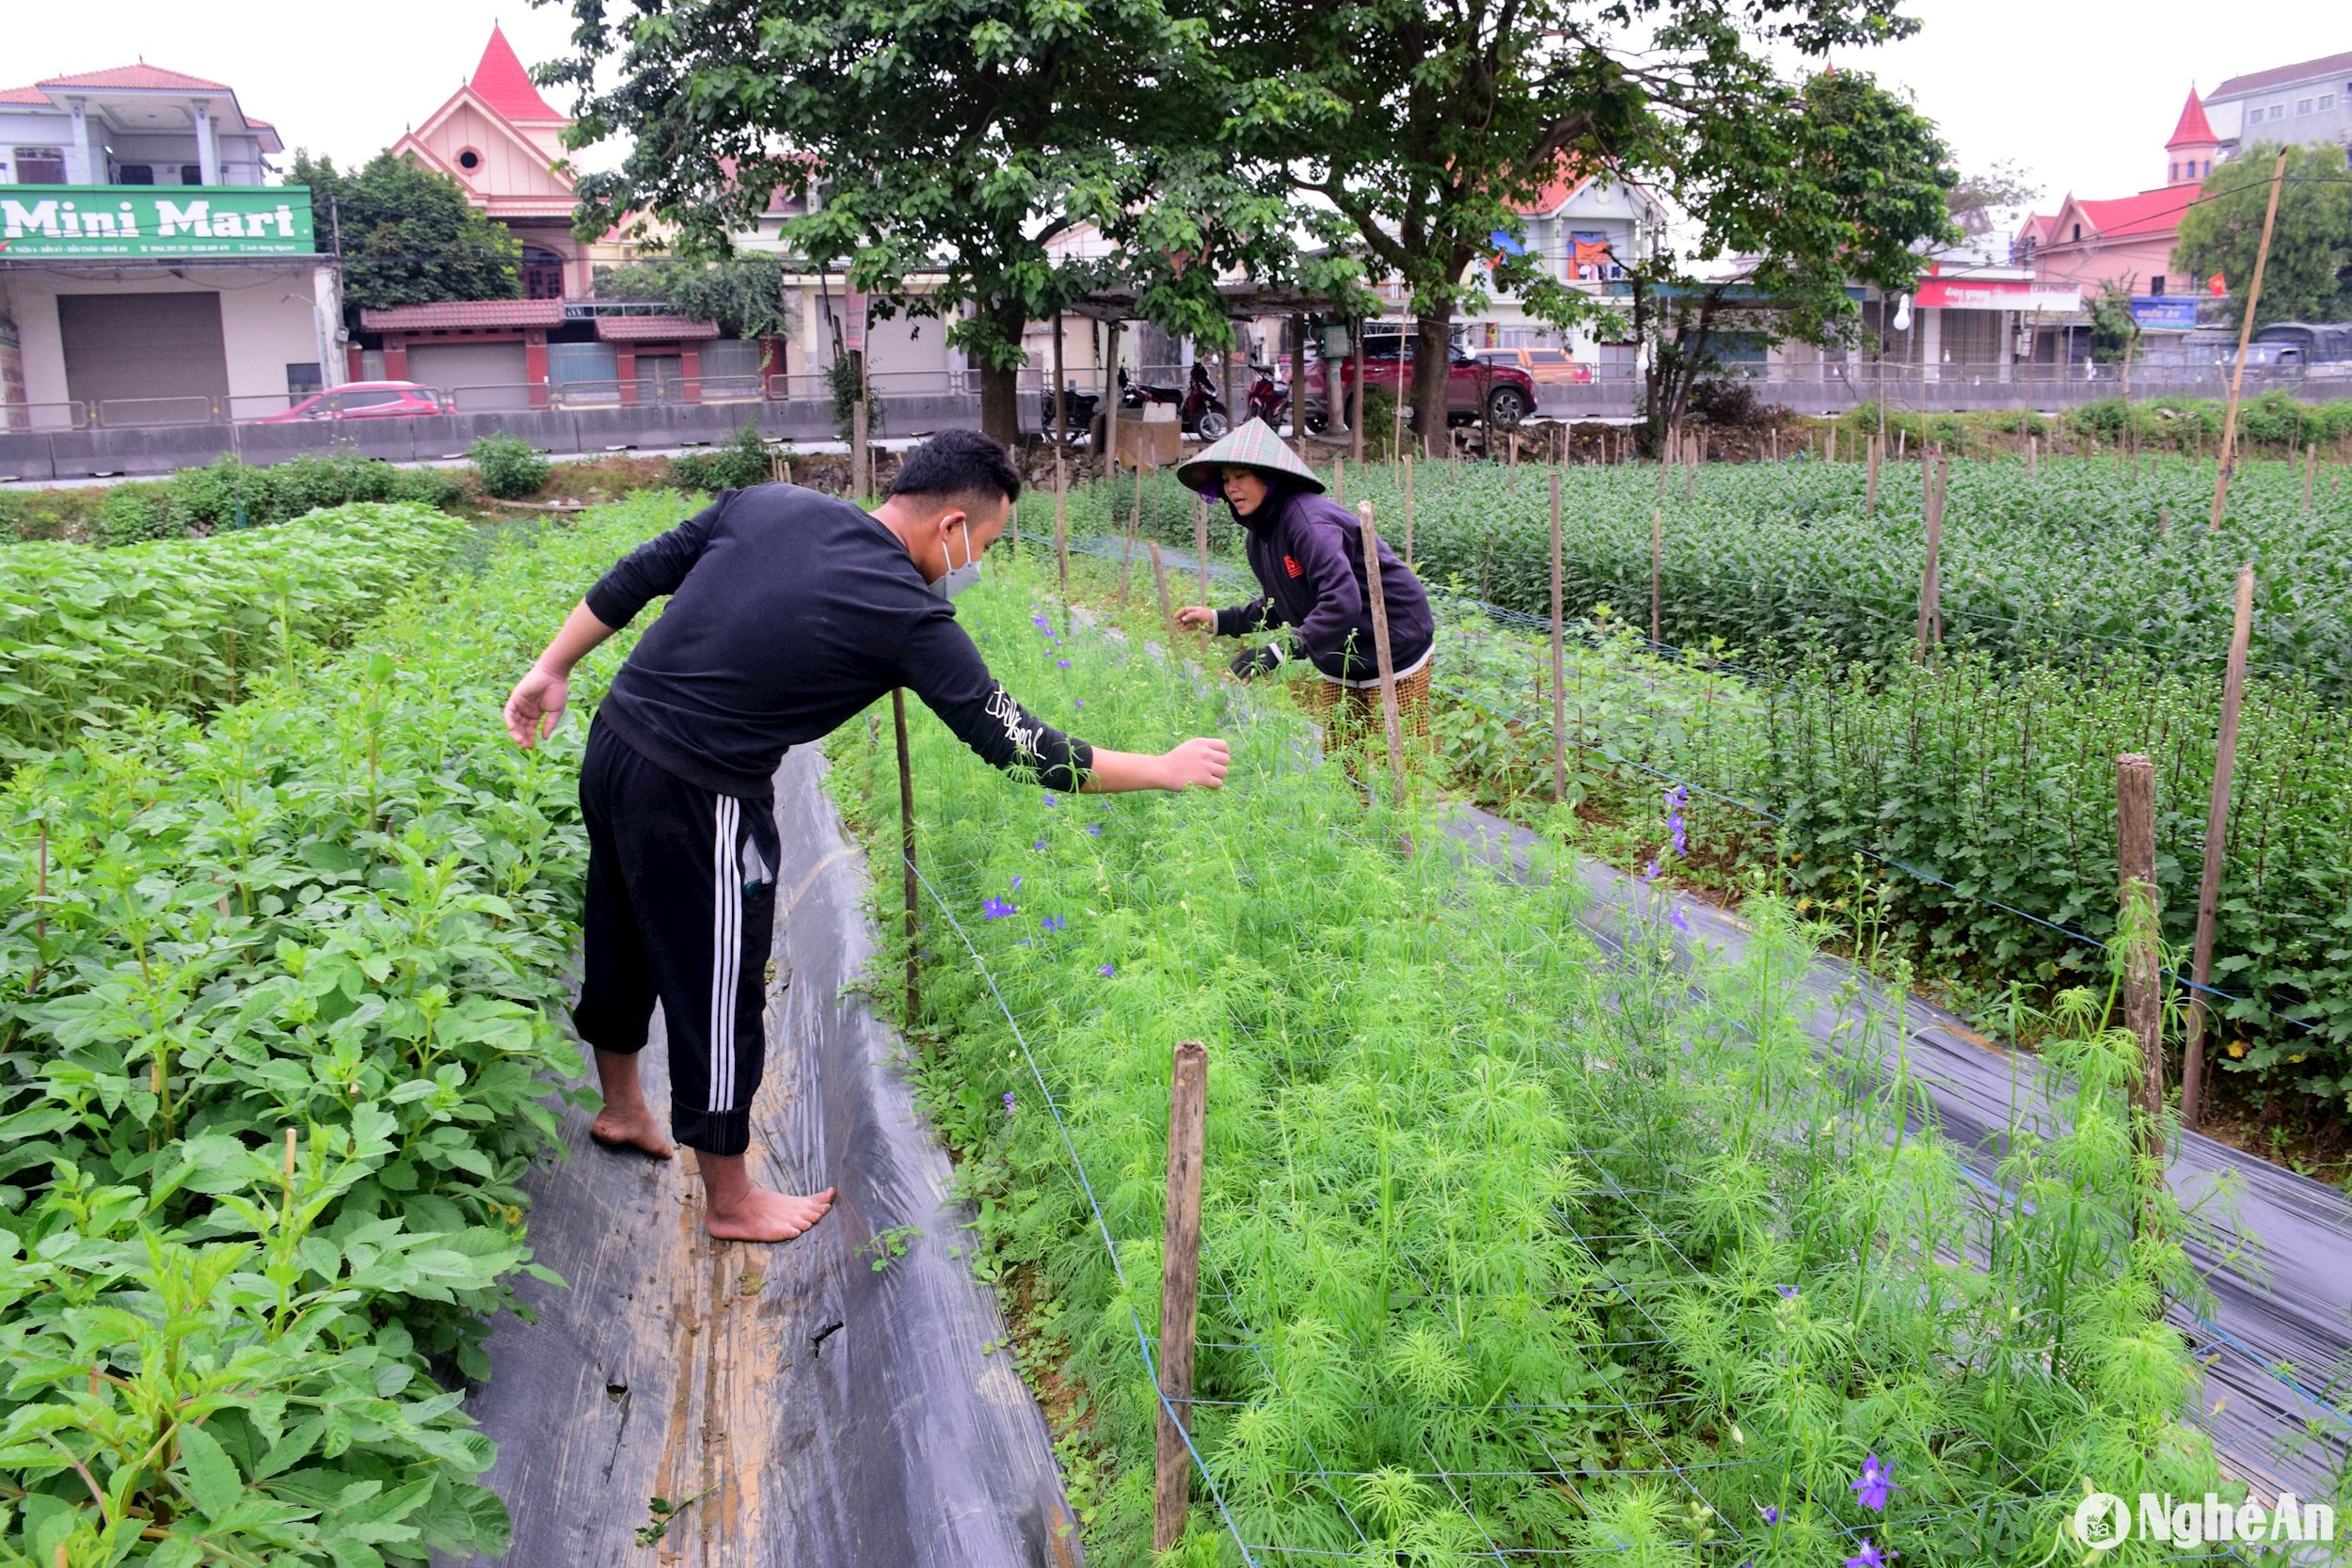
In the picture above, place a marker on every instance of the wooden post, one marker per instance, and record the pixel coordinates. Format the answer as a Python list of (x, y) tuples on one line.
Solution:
[(1355, 397), (1180, 1290), (1902, 442), (2131, 346), (2136, 862), (1691, 450), (906, 836), (1201, 555), (1298, 388), (2217, 841), (2245, 334), (1338, 481), (2033, 454), (1657, 557), (1513, 462), (1408, 512), (860, 460), (1559, 664), (1931, 579), (1776, 443), (1159, 575), (1110, 405), (1396, 438), (1061, 525), (1871, 501), (1061, 413), (2310, 473), (1380, 650)]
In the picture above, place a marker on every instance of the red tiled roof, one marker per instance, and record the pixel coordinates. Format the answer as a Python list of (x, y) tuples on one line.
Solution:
[(2331, 65), (501, 82), (23, 95), (2193, 130), (653, 329), (464, 312), (138, 76), (2149, 213)]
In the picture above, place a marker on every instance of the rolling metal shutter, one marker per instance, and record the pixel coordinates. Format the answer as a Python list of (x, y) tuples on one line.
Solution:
[(155, 358)]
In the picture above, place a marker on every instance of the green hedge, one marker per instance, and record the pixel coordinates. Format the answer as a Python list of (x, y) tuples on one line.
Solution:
[(339, 915), (219, 497)]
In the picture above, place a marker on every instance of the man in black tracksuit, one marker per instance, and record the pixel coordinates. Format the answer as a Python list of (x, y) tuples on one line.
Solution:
[(789, 612)]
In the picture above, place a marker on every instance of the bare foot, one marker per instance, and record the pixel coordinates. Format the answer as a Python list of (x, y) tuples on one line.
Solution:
[(758, 1215), (631, 1127)]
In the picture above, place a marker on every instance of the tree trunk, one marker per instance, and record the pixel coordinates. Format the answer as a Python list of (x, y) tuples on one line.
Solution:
[(1432, 364), (1000, 404)]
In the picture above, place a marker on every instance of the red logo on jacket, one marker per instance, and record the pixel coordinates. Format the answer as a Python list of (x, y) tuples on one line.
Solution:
[(1290, 565)]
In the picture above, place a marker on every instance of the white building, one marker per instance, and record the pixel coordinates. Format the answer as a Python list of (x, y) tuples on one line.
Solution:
[(2303, 104), (147, 274), (1584, 229)]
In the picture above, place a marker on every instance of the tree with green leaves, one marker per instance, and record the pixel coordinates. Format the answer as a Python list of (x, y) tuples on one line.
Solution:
[(743, 294), (956, 149), (1416, 132), (2308, 275), (2112, 324), (407, 235)]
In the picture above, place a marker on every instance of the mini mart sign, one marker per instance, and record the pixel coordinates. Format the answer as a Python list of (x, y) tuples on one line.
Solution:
[(48, 221)]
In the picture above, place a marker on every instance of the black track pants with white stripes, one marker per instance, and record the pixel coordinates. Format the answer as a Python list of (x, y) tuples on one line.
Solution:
[(681, 909)]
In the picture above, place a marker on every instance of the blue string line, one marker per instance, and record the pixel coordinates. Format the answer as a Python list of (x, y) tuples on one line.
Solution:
[(1101, 1224)]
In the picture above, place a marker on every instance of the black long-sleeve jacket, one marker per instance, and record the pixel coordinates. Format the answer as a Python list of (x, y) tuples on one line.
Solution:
[(791, 611)]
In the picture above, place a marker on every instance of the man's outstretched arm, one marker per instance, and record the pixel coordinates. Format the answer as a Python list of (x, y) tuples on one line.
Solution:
[(537, 700)]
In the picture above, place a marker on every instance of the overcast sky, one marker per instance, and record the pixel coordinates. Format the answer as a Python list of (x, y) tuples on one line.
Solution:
[(2081, 92)]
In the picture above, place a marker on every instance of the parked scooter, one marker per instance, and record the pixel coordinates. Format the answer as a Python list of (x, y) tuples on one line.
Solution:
[(1200, 411), (1270, 399), (1077, 410)]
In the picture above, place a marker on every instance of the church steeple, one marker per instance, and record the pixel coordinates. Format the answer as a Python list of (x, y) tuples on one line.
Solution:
[(2188, 156)]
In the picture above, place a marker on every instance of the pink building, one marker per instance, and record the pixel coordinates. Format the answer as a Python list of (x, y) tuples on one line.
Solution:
[(2126, 240)]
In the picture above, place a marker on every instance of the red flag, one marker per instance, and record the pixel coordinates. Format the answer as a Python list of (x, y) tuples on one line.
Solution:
[(2216, 287)]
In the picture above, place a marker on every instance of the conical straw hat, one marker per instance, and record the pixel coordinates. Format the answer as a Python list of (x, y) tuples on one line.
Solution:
[(1252, 445)]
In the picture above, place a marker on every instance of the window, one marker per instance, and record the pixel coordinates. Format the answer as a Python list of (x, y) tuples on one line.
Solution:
[(135, 174), (302, 379), (2156, 284), (470, 160), (40, 165), (2278, 111), (191, 174), (2327, 101), (2302, 105), (2176, 172), (543, 274), (2079, 231)]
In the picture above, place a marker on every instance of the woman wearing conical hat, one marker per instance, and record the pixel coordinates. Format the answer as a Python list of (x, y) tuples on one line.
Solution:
[(1306, 552)]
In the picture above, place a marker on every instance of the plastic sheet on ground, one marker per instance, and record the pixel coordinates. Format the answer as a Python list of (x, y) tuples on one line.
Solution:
[(820, 1412)]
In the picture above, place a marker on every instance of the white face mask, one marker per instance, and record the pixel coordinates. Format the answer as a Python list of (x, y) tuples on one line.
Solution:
[(959, 578)]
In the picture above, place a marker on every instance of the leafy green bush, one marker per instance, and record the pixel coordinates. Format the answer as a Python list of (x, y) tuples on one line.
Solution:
[(133, 515), (86, 637), (742, 460), (227, 494), (1485, 1199), (278, 1049), (509, 466)]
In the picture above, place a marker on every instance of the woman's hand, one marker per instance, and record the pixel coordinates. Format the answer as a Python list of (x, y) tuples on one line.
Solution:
[(1196, 765), (1197, 615)]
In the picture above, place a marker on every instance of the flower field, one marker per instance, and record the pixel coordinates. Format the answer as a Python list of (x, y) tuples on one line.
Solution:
[(277, 1031), (1512, 1242), (1966, 802)]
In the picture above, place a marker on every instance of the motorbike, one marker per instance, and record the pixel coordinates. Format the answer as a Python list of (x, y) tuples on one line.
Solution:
[(1199, 410), (1077, 410), (1268, 398)]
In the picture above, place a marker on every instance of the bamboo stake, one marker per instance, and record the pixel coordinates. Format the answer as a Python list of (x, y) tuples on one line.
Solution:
[(1871, 501), (1201, 555), (1380, 648), (1356, 398), (906, 838), (2217, 841), (1338, 480), (2310, 473), (1657, 553), (1061, 529), (1902, 442), (1180, 1290), (1061, 410), (1110, 404), (1559, 664), (1159, 575), (2033, 454), (1931, 579), (1512, 464), (1691, 450), (2245, 335), (1408, 512), (2136, 864), (1397, 436)]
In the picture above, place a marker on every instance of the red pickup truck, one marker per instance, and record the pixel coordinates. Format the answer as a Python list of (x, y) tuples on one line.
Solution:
[(1474, 388)]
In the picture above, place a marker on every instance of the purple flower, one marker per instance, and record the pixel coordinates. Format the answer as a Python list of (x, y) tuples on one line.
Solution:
[(1042, 624), (1877, 1480), (1039, 845), (1787, 1293), (1052, 923), (1104, 972), (1870, 1556), (997, 909), (1094, 830), (1681, 922), (1052, 798), (1016, 882), (1649, 873), (1771, 1514), (1061, 664), (1007, 1104), (1080, 702)]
